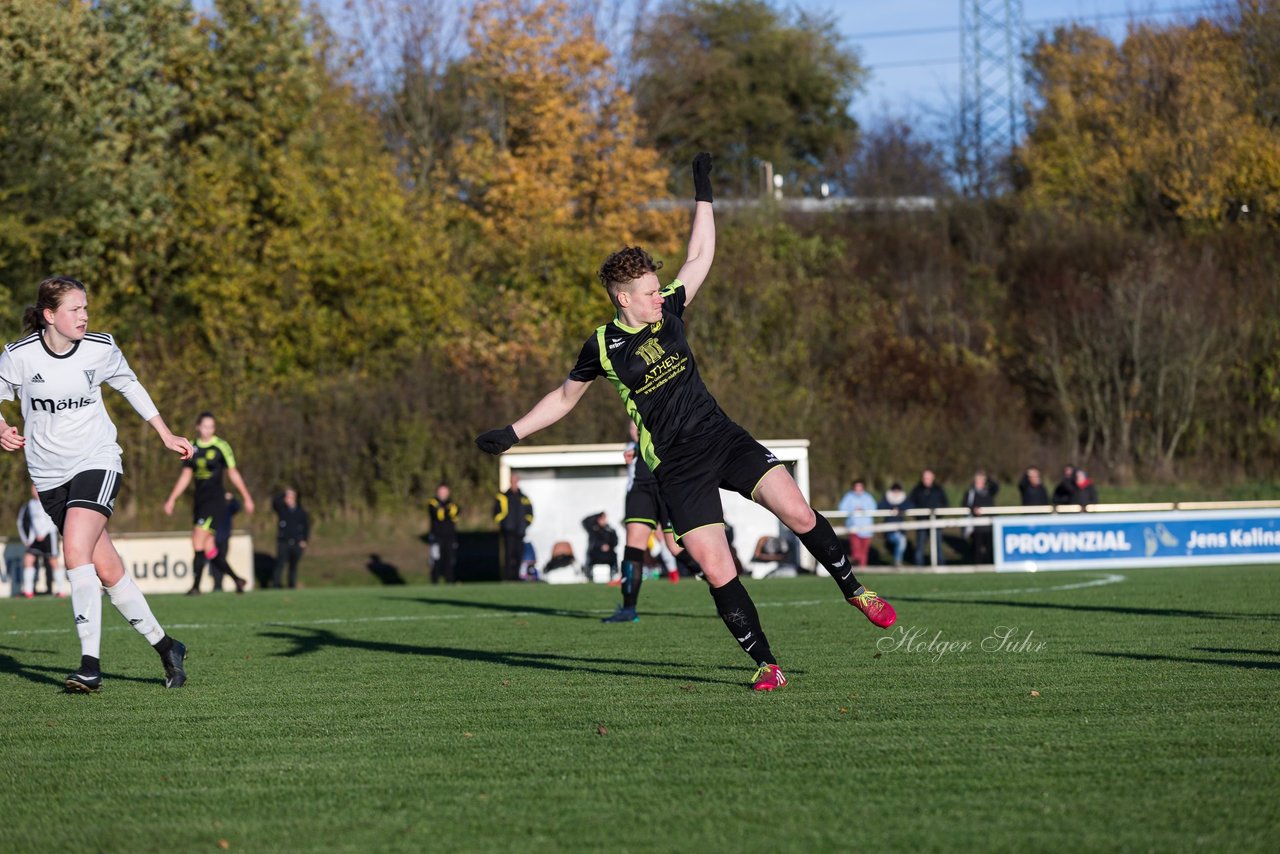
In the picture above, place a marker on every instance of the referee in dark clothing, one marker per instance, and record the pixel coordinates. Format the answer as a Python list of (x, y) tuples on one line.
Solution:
[(444, 534), (513, 511), (291, 536)]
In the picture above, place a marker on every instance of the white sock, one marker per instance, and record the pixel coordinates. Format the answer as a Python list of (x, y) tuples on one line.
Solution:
[(29, 580), (60, 581), (130, 602), (86, 605)]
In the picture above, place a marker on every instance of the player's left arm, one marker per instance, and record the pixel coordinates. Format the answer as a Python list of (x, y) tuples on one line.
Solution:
[(702, 236), (233, 474), (178, 444)]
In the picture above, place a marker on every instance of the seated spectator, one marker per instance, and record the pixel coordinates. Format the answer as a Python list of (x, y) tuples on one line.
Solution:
[(602, 541), (1065, 491), (1086, 492), (981, 493), (895, 499), (1031, 489)]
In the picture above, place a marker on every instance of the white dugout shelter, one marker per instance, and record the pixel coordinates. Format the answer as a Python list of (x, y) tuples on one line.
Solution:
[(566, 483)]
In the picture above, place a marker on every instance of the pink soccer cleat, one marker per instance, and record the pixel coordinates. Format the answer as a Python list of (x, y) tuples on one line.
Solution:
[(768, 678), (878, 611)]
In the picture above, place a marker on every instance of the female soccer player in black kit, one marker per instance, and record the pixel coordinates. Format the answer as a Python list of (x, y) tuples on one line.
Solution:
[(692, 447), (57, 372)]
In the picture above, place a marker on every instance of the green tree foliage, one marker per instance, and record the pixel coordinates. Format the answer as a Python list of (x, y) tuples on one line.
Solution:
[(749, 82)]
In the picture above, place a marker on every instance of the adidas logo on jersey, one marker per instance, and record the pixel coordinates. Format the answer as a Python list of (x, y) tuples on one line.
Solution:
[(37, 379), (135, 621), (81, 619)]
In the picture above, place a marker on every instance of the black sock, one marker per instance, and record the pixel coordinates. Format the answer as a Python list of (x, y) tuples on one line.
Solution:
[(197, 569), (163, 645), (739, 615), (823, 544), (690, 565), (632, 575), (220, 564), (89, 665)]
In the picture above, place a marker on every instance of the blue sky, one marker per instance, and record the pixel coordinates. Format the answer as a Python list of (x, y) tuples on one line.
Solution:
[(919, 73)]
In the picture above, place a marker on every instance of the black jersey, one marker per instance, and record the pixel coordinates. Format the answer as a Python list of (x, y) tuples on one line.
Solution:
[(654, 372), (208, 462)]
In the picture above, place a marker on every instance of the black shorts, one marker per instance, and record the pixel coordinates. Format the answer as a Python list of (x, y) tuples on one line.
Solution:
[(645, 506), (208, 511), (96, 490), (42, 547), (692, 475)]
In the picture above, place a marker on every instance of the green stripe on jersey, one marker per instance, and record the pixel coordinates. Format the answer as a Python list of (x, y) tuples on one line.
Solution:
[(647, 451)]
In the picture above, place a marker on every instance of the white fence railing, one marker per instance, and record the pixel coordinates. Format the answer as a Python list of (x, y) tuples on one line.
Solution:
[(961, 517)]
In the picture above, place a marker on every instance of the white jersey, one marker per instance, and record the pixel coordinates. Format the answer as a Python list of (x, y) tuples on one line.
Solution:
[(35, 524), (65, 423)]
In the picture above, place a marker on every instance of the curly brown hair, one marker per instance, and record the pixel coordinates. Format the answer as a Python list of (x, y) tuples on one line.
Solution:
[(625, 266)]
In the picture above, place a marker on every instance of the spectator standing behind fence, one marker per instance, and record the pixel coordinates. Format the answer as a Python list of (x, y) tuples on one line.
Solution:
[(602, 542), (443, 536), (928, 494), (895, 499), (1031, 490), (513, 511), (1086, 492), (1065, 491), (858, 505), (292, 533), (981, 493)]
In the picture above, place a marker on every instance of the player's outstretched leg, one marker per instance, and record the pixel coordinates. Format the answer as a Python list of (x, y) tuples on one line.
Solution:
[(779, 493), (632, 575), (132, 605), (823, 544)]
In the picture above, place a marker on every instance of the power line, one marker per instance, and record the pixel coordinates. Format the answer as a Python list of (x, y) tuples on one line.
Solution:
[(936, 31), (914, 63)]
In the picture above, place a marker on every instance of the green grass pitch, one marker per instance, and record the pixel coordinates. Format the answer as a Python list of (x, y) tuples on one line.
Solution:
[(1130, 710)]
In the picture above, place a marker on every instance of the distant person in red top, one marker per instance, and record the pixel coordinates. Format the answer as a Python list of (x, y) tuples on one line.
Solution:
[(1086, 492)]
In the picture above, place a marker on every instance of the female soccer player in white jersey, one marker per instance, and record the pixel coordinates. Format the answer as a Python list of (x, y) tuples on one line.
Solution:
[(57, 373)]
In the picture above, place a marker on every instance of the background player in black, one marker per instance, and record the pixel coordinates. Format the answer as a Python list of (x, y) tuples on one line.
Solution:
[(222, 542), (688, 441), (443, 511), (646, 513), (212, 458)]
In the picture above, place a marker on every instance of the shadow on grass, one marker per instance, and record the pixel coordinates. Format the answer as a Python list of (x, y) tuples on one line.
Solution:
[(1092, 609), (307, 640), (535, 609), (55, 676), (1222, 662), (1234, 651)]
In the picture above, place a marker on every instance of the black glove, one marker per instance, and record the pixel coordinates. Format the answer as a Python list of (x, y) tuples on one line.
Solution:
[(702, 177), (497, 441)]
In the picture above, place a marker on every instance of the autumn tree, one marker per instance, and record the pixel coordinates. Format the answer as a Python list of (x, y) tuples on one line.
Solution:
[(1163, 126)]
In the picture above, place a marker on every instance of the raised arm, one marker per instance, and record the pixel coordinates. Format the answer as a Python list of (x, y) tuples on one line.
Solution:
[(702, 236), (554, 406)]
